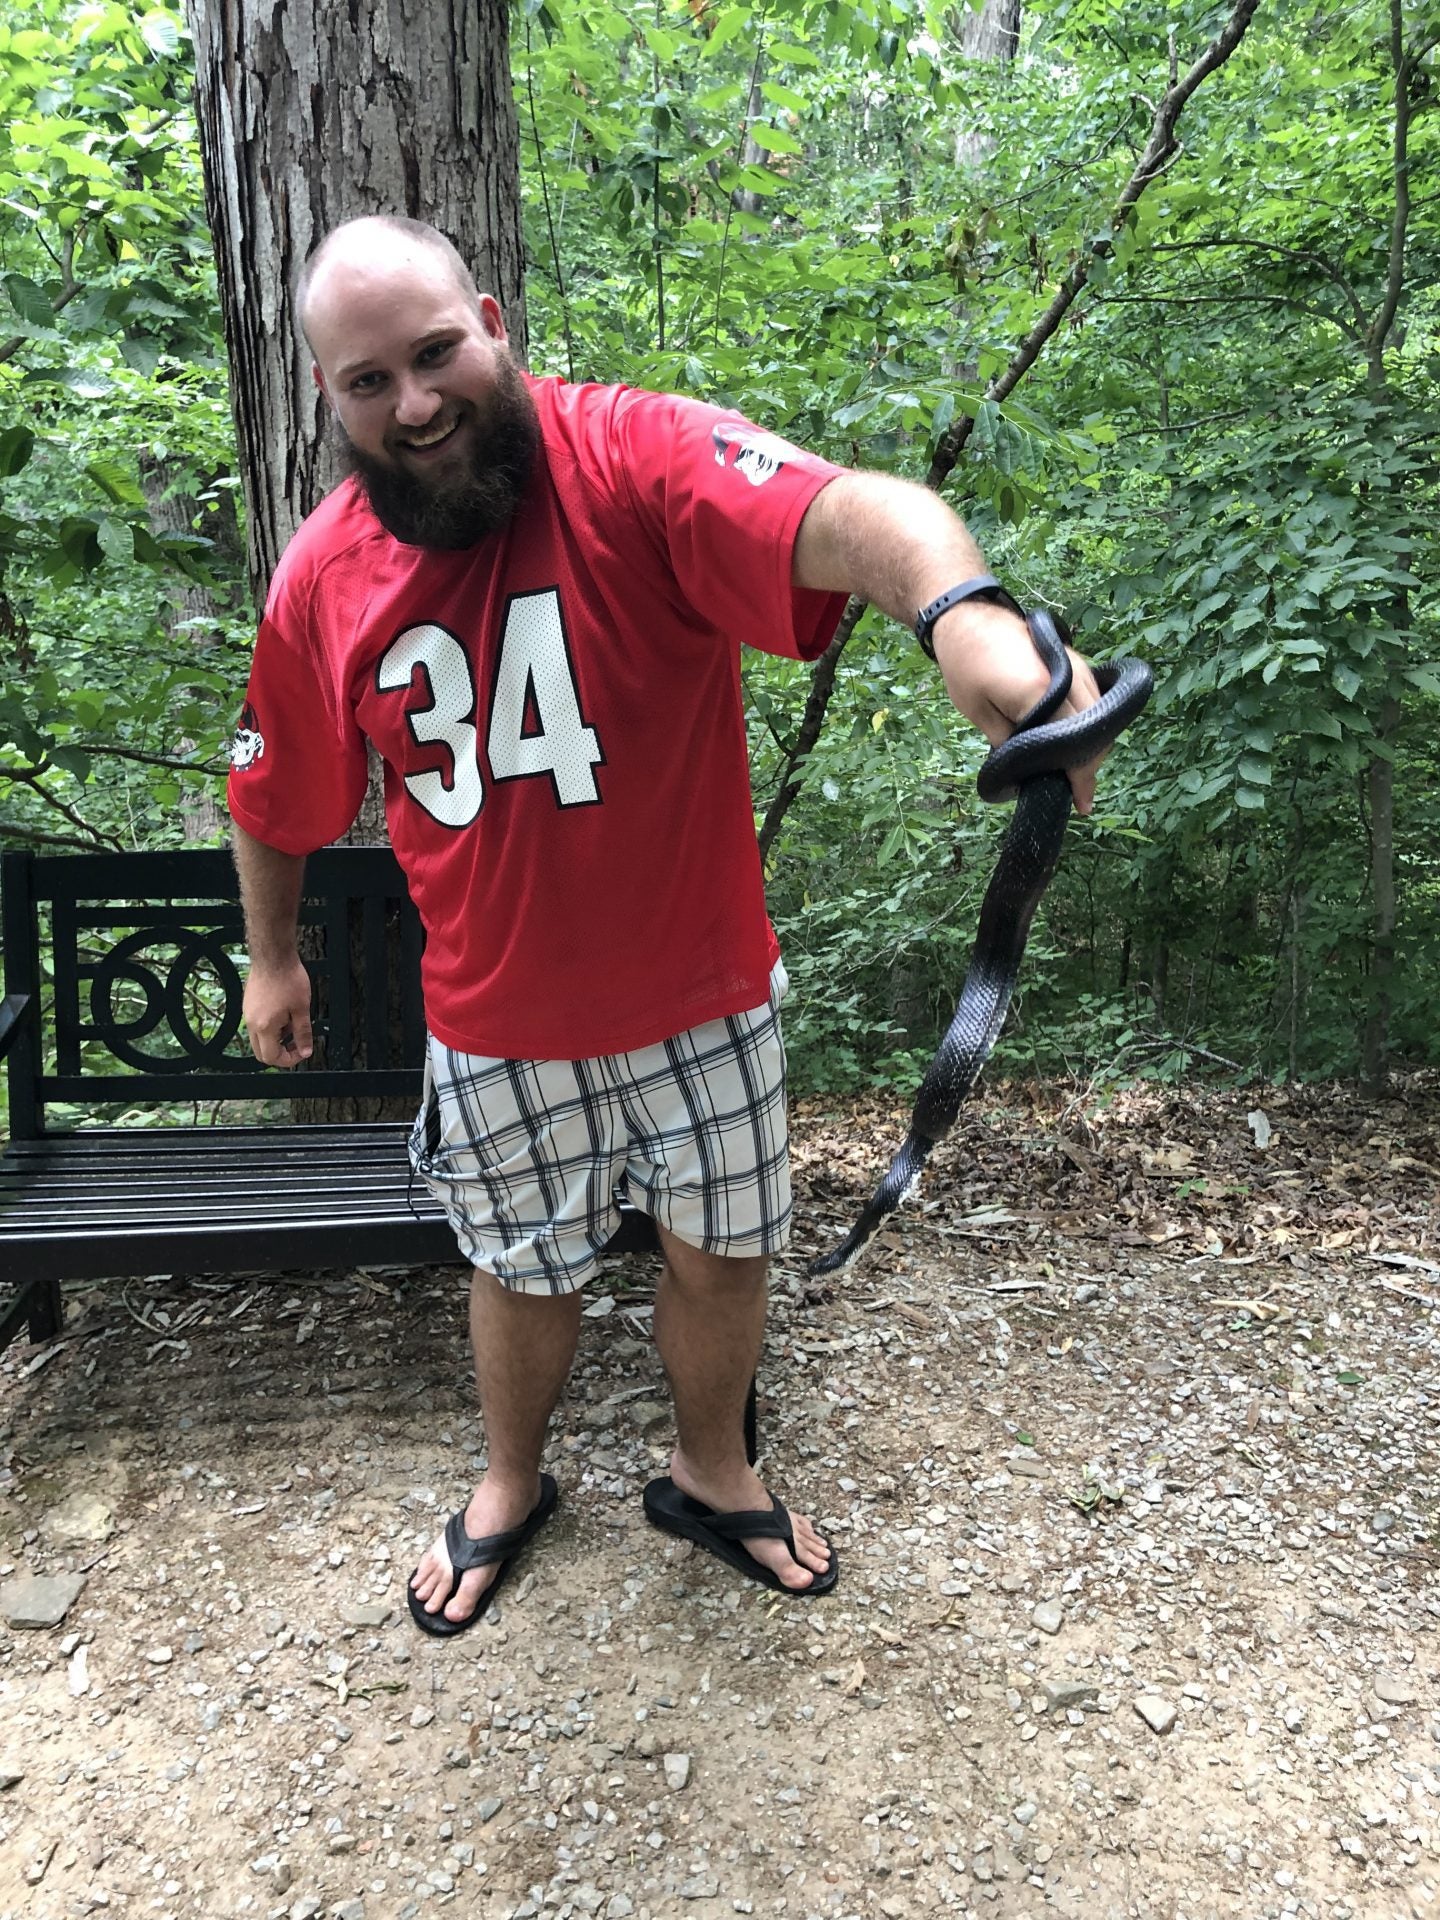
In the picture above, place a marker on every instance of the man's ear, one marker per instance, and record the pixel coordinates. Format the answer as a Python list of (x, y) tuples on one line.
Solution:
[(319, 380), (492, 319)]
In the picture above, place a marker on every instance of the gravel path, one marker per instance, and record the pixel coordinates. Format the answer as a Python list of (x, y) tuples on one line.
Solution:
[(1139, 1612)]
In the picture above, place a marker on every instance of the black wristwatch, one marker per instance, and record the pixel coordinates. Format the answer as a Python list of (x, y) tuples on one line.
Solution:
[(983, 587)]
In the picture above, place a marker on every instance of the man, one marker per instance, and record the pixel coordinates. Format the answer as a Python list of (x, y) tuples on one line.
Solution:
[(530, 597)]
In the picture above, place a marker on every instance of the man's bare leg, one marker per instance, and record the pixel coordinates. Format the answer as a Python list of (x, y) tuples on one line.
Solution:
[(524, 1349), (709, 1320)]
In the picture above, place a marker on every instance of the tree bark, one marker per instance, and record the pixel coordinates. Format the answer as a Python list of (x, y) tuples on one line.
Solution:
[(1380, 792), (993, 33), (310, 115)]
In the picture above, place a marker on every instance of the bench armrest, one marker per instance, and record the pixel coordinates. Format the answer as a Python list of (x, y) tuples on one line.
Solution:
[(13, 1009)]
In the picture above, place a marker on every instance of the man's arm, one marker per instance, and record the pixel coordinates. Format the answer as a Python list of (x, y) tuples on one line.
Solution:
[(277, 991), (899, 546)]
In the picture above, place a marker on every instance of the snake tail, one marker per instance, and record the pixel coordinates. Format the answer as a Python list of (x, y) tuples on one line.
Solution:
[(1028, 857)]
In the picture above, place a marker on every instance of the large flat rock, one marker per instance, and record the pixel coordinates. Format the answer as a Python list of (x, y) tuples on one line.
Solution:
[(39, 1600)]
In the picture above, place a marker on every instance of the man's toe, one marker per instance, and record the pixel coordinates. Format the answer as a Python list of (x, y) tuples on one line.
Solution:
[(470, 1592), (810, 1547)]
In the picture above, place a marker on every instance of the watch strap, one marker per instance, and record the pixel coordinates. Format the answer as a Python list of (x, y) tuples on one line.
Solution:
[(983, 587)]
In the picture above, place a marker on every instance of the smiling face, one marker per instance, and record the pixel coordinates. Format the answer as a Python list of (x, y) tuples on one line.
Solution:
[(438, 422)]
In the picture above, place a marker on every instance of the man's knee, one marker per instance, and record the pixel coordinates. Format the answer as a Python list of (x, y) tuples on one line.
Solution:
[(719, 1274)]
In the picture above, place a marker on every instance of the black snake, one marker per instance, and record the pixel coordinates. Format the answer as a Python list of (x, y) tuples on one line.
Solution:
[(1032, 765)]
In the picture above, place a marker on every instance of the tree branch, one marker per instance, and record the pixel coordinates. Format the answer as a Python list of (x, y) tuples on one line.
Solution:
[(1221, 297), (1330, 271), (96, 839), (1395, 276), (1160, 149), (545, 196), (107, 749), (12, 830)]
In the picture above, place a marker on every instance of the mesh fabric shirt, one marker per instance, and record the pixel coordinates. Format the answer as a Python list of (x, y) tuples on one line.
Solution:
[(560, 716)]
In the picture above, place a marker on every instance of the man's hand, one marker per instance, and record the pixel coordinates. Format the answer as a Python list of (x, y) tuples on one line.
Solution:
[(277, 1013), (994, 676)]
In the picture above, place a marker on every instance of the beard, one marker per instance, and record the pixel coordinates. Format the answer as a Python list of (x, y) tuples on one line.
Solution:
[(461, 506)]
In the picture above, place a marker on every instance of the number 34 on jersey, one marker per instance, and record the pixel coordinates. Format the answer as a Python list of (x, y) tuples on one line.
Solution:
[(535, 724)]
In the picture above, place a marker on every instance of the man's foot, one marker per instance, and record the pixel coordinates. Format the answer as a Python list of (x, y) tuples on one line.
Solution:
[(743, 1491), (493, 1509)]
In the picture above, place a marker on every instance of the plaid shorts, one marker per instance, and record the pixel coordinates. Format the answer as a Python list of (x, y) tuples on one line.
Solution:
[(526, 1156)]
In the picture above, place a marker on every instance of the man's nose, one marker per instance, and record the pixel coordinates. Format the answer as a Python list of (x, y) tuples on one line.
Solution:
[(416, 401)]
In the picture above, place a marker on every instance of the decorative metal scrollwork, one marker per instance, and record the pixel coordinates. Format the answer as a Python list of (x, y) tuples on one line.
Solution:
[(202, 1016)]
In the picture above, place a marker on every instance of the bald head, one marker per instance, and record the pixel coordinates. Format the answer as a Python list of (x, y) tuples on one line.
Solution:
[(363, 249)]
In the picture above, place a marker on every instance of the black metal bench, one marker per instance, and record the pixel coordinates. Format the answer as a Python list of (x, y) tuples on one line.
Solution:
[(123, 976)]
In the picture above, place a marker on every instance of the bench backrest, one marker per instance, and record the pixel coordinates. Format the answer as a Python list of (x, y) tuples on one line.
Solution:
[(134, 963)]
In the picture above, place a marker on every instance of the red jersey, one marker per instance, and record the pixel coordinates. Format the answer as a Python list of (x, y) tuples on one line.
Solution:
[(560, 716)]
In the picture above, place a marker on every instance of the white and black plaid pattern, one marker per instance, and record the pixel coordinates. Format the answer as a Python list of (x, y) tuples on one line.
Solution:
[(525, 1156)]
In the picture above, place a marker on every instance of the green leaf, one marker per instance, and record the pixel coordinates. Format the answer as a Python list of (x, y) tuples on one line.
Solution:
[(772, 139), (89, 385), (30, 301), (732, 23), (1346, 681), (140, 353), (117, 542), (161, 33), (116, 482), (16, 446), (75, 762), (1250, 797), (1256, 770)]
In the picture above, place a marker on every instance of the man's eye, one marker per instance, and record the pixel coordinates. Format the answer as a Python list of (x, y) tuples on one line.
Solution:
[(365, 382), (432, 355)]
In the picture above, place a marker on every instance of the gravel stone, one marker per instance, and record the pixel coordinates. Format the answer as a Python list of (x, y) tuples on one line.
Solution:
[(1394, 1691), (32, 1602), (366, 1613), (81, 1519), (1156, 1711)]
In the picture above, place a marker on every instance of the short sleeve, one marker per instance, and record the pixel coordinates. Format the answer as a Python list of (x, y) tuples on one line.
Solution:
[(297, 761), (724, 500)]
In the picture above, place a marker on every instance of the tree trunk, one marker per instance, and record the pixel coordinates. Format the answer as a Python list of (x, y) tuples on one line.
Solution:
[(993, 33), (1380, 789), (309, 115)]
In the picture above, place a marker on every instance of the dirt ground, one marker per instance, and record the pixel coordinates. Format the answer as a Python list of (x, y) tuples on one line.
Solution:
[(1132, 1407)]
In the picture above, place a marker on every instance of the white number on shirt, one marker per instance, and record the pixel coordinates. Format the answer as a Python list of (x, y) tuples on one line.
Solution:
[(446, 720), (535, 722)]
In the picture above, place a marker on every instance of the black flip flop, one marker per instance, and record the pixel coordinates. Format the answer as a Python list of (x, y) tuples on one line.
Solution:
[(466, 1554), (721, 1533)]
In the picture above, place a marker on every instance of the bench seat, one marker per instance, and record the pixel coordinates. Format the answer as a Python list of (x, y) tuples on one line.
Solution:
[(89, 1204)]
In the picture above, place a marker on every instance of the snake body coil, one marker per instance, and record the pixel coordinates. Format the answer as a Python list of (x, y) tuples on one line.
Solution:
[(1032, 765)]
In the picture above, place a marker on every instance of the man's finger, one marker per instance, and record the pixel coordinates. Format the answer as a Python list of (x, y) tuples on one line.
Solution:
[(302, 1043)]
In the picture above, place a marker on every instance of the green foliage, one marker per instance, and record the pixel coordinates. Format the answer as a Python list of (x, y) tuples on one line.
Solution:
[(826, 214), (111, 346)]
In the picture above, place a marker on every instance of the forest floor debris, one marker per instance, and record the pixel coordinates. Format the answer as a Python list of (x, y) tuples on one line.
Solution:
[(1127, 1435)]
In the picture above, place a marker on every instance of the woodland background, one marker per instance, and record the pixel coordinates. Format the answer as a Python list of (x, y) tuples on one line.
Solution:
[(852, 221)]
